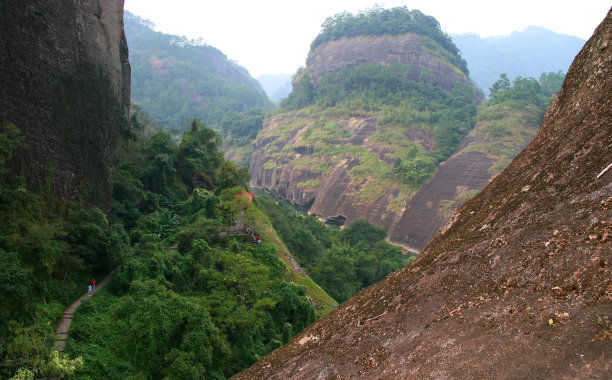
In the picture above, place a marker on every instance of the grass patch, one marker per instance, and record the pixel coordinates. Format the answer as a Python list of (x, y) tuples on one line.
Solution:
[(310, 184), (270, 165)]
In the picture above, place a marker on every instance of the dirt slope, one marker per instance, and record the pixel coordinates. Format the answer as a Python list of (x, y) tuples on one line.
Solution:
[(517, 285)]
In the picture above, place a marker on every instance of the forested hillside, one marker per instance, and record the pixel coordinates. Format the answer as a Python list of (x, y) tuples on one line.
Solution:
[(341, 261), (527, 53), (175, 79), (203, 287)]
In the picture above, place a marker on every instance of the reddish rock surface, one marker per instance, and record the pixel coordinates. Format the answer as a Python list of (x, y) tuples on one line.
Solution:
[(423, 215), (516, 285), (332, 56), (411, 219)]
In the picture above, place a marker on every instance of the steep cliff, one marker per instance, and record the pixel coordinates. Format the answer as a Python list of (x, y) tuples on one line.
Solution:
[(420, 52), (501, 132), (516, 285), (65, 83), (369, 120)]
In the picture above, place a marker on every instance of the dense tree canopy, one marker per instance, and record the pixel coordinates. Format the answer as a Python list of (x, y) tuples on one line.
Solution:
[(193, 296), (526, 91), (175, 79), (341, 261)]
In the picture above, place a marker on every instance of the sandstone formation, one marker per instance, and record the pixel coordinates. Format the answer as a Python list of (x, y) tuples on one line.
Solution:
[(290, 157), (411, 216), (65, 83), (332, 56), (516, 285), (468, 171)]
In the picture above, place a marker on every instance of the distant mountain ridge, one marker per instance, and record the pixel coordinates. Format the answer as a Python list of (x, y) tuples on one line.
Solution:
[(174, 79), (527, 53), (277, 86)]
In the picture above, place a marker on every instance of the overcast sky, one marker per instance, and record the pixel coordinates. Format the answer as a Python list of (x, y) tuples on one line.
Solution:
[(273, 36)]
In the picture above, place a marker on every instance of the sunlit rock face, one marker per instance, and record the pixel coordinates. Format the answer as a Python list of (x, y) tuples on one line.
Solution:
[(516, 285), (65, 83), (411, 220), (332, 56)]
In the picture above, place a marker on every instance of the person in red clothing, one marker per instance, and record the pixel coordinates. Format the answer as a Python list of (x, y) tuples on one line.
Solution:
[(93, 284)]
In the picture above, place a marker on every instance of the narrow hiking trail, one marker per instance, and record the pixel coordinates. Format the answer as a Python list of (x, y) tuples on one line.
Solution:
[(64, 326)]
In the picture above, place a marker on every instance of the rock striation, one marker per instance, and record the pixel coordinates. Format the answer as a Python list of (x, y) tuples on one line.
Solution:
[(516, 285), (292, 157), (65, 83), (408, 49)]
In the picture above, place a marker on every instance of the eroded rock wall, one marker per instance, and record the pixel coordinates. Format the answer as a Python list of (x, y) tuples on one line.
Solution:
[(408, 49), (65, 83), (336, 192), (516, 285)]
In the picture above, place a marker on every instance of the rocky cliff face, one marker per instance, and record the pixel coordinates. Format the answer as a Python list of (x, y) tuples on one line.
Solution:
[(409, 49), (516, 285), (338, 164), (65, 83), (479, 158)]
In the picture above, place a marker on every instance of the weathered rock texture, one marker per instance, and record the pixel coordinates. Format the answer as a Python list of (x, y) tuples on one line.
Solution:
[(517, 284), (65, 83), (465, 173), (337, 194), (408, 49)]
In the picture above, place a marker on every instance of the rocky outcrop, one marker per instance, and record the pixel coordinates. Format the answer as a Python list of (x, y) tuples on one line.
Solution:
[(431, 206), (416, 218), (65, 83), (338, 165), (408, 49), (516, 285)]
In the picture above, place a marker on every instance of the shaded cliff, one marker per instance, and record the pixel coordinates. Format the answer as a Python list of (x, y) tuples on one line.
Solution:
[(501, 132), (65, 83), (516, 285)]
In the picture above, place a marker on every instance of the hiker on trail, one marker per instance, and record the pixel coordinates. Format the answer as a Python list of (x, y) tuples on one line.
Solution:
[(93, 284), (89, 290)]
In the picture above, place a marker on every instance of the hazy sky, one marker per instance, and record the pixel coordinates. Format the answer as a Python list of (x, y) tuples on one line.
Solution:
[(273, 36)]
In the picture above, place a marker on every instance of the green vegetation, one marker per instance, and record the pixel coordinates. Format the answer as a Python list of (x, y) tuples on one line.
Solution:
[(342, 262), (194, 296), (395, 21), (309, 184), (526, 91), (513, 115), (391, 96), (49, 250), (175, 79)]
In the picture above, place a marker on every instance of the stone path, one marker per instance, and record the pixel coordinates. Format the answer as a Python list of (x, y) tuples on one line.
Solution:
[(64, 326)]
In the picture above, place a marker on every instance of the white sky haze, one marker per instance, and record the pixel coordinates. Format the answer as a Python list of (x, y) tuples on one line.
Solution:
[(274, 36)]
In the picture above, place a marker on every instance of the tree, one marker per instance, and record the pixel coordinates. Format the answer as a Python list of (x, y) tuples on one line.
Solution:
[(199, 156), (500, 85), (363, 231)]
